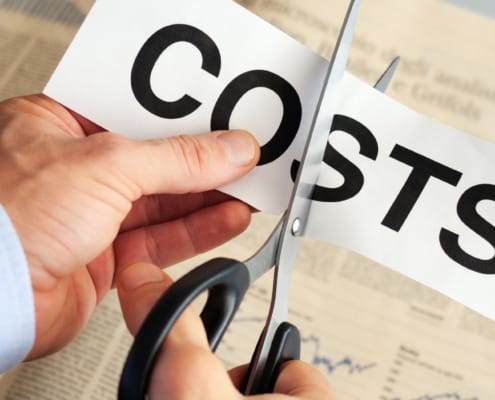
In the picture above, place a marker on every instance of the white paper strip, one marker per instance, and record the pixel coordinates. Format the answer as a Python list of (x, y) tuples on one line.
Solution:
[(420, 198)]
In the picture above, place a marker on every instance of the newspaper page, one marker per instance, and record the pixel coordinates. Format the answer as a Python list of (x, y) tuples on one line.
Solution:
[(374, 333), (33, 37)]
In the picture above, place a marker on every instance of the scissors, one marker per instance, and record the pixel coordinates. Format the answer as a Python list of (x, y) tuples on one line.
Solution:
[(226, 280)]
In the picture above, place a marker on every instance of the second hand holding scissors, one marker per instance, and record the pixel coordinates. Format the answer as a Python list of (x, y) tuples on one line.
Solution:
[(227, 280)]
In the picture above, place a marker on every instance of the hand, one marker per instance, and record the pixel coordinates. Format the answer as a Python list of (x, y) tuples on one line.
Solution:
[(84, 203), (186, 368)]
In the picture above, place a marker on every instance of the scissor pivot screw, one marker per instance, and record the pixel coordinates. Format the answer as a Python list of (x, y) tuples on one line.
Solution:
[(296, 227)]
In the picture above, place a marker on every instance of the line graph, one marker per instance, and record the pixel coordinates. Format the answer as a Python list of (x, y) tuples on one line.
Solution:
[(330, 365), (349, 367), (445, 396)]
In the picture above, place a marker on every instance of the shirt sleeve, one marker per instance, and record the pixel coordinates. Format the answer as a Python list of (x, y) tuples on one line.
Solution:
[(17, 318)]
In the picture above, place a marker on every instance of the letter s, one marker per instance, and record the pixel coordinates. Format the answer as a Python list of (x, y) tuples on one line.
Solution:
[(353, 177), (148, 56), (466, 209)]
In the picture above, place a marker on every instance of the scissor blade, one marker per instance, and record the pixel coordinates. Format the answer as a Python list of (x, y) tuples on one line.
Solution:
[(384, 80), (297, 213), (316, 142), (265, 257)]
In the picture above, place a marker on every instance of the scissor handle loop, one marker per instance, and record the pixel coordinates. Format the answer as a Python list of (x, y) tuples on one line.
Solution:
[(226, 282), (285, 346)]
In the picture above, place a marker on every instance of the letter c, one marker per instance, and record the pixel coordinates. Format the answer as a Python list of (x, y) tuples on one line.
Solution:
[(148, 56)]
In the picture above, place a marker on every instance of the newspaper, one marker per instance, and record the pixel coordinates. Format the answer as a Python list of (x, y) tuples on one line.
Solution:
[(374, 333)]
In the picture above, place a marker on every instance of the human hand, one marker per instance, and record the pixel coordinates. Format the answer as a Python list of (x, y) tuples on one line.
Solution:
[(186, 368), (84, 203)]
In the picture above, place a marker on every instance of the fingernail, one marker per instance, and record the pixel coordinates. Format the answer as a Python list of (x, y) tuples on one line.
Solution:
[(240, 147), (138, 275)]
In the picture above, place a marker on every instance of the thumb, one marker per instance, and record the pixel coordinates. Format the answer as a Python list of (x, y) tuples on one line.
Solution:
[(183, 164)]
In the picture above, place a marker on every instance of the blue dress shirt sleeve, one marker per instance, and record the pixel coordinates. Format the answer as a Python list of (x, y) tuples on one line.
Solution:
[(17, 318)]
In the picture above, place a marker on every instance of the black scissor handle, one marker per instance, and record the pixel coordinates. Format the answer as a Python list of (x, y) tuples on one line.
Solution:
[(226, 282), (286, 346)]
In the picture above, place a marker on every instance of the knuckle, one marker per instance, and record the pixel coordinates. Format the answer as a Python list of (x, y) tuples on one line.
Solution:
[(27, 151), (194, 155), (151, 246), (16, 133)]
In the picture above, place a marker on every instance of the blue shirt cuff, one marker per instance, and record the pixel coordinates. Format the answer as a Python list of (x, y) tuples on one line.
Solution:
[(17, 316)]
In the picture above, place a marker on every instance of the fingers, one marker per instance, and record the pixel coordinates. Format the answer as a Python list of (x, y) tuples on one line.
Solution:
[(177, 165), (296, 379), (156, 209), (303, 381), (186, 368), (238, 374), (168, 243), (139, 286)]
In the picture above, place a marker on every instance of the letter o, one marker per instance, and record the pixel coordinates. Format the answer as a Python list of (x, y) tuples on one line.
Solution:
[(291, 118)]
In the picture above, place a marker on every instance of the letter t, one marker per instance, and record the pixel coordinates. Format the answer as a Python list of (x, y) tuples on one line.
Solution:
[(423, 169)]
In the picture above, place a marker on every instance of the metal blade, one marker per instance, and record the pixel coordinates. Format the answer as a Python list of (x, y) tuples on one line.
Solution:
[(300, 200), (384, 80), (309, 169), (265, 257)]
